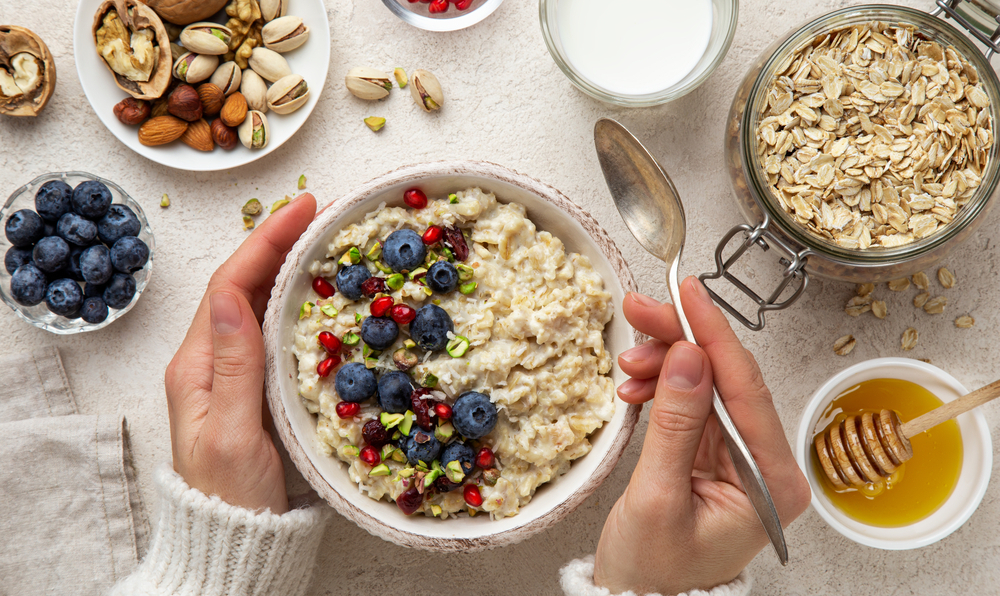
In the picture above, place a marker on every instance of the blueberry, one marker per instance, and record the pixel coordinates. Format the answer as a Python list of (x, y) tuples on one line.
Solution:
[(50, 229), (95, 264), (404, 250), (15, 257), (72, 269), (460, 452), (421, 447), (64, 297), (76, 230), (51, 254), (119, 291), (442, 277), (473, 415), (349, 280), (129, 254), (379, 332), (52, 200), (394, 390), (93, 291), (24, 228), (355, 383), (91, 199), (430, 328), (27, 285), (119, 222), (94, 310)]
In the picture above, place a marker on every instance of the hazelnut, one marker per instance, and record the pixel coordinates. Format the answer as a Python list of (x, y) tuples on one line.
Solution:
[(211, 97), (185, 103), (224, 136), (132, 111)]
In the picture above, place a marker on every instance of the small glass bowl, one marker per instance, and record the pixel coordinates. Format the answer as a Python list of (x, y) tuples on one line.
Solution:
[(418, 15), (39, 315), (724, 16)]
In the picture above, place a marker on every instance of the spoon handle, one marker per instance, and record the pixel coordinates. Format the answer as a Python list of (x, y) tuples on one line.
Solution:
[(750, 476)]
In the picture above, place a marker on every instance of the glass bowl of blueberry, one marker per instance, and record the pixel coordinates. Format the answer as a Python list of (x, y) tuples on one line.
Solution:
[(78, 252), (442, 15)]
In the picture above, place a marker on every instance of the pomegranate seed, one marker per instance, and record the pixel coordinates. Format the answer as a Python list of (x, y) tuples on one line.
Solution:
[(372, 286), (402, 313), (347, 409), (324, 368), (433, 234), (443, 411), (415, 197), (463, 4), (323, 287), (409, 500), (329, 341), (470, 492), (374, 433), (484, 459), (438, 6), (381, 306), (370, 456)]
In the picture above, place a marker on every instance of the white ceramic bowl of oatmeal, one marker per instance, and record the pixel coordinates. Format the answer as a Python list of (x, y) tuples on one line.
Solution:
[(300, 402)]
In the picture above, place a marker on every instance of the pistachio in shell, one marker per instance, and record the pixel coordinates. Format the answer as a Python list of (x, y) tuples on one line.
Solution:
[(368, 83), (254, 132), (426, 90), (273, 9), (254, 90), (209, 39), (183, 12), (27, 72), (284, 34), (227, 77), (288, 94), (134, 45), (194, 68), (269, 64)]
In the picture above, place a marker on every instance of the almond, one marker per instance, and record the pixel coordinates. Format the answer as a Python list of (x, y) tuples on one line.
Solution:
[(161, 130), (234, 112), (212, 98), (198, 136)]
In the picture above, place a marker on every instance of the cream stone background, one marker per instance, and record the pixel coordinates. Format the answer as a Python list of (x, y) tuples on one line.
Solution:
[(506, 102)]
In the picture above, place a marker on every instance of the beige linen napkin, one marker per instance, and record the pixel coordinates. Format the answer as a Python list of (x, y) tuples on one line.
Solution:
[(71, 521)]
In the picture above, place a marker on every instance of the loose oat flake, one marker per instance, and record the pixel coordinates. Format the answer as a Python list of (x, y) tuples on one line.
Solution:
[(865, 289), (873, 136), (921, 281), (909, 339), (898, 285), (858, 305), (946, 278), (935, 306), (844, 345), (921, 299), (879, 309), (965, 322)]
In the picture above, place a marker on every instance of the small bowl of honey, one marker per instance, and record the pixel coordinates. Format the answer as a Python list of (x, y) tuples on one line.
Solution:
[(925, 498)]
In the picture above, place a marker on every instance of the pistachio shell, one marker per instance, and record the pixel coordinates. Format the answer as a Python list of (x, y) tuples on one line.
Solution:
[(273, 9), (426, 90), (284, 34), (228, 77), (368, 83), (254, 135), (288, 94), (200, 39), (254, 89), (194, 68), (269, 64)]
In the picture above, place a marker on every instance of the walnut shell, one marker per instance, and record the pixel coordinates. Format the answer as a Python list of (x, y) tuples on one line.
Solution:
[(142, 17), (185, 12), (18, 40)]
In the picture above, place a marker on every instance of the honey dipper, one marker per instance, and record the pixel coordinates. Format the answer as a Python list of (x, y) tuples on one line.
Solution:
[(866, 448)]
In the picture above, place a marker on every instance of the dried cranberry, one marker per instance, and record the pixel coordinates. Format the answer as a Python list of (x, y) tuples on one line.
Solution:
[(415, 197), (443, 485), (372, 286), (472, 496), (370, 456), (421, 408), (453, 237), (484, 459), (432, 234), (347, 409), (322, 287), (438, 6), (381, 306), (443, 411), (409, 500), (402, 314), (329, 341), (375, 434), (324, 368)]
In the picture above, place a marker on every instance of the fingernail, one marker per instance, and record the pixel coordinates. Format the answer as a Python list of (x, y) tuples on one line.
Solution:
[(637, 354), (701, 291), (642, 299), (684, 367), (226, 314), (630, 386)]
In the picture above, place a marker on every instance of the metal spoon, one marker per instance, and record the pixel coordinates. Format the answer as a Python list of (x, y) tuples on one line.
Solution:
[(652, 210)]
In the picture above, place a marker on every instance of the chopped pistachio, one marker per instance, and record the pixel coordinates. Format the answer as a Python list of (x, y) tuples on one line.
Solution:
[(430, 381), (165, 201), (350, 339), (380, 470), (458, 346), (419, 271), (358, 318), (302, 182), (354, 255), (437, 301), (453, 198), (404, 359), (395, 281), (401, 79), (252, 207), (390, 420), (247, 223), (406, 472), (371, 363), (279, 204), (436, 510), (431, 258), (407, 424), (398, 455), (491, 475), (436, 465), (328, 310), (447, 254), (375, 251), (367, 352), (397, 436), (465, 272), (421, 466), (409, 344), (375, 123), (454, 471), (427, 290), (431, 477), (444, 432), (387, 450), (306, 310), (468, 287), (350, 451), (382, 267)]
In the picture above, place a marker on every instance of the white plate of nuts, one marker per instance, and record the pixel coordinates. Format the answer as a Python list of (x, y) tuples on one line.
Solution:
[(202, 93)]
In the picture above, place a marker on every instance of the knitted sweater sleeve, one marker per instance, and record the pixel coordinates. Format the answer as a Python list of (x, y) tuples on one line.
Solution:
[(577, 579), (206, 547)]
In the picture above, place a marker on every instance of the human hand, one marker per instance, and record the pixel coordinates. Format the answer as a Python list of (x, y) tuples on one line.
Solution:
[(215, 382), (683, 521)]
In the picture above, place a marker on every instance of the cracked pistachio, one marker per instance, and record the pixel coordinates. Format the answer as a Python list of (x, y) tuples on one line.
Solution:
[(194, 68), (375, 123), (368, 83), (270, 65), (210, 39), (426, 90), (254, 132), (252, 207), (288, 94), (400, 76), (227, 77), (284, 34), (273, 9)]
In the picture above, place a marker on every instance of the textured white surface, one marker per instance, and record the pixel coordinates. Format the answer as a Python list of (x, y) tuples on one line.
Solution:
[(505, 102)]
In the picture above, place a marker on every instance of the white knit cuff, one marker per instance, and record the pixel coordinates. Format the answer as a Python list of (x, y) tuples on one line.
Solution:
[(577, 579), (206, 547)]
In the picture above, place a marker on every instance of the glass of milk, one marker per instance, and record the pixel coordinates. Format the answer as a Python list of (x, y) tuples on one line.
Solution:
[(641, 52)]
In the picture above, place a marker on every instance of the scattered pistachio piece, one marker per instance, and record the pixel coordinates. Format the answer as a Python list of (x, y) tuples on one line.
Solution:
[(247, 223), (401, 79), (419, 271), (468, 288), (397, 436), (454, 471), (375, 123), (354, 254), (358, 318), (491, 475), (388, 448), (404, 359), (407, 424), (436, 510), (431, 477), (380, 470), (395, 281), (465, 272), (165, 201), (458, 346), (279, 204), (382, 267), (444, 433), (375, 251), (350, 451), (453, 199), (306, 310), (446, 253), (427, 291), (328, 310), (430, 381), (406, 472), (367, 352), (409, 344), (252, 207), (302, 182), (350, 339), (398, 455)]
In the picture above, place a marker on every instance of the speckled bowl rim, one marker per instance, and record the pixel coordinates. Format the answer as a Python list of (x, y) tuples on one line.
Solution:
[(319, 229)]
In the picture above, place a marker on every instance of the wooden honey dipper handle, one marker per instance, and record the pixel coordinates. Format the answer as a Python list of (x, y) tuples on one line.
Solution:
[(950, 410)]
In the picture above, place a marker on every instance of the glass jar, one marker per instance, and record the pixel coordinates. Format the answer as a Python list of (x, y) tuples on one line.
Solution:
[(803, 253)]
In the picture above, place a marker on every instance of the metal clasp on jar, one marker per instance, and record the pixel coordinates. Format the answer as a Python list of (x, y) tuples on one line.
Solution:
[(973, 16)]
